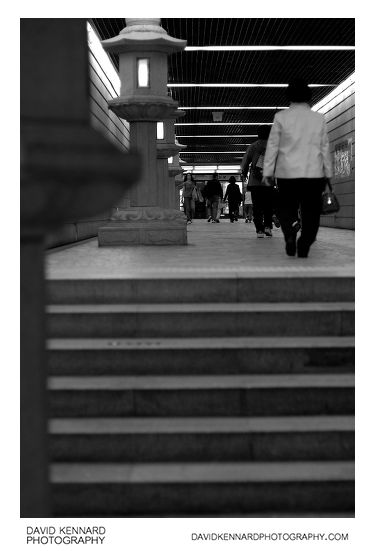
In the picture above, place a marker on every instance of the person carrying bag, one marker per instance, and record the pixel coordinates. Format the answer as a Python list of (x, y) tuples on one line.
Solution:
[(298, 156)]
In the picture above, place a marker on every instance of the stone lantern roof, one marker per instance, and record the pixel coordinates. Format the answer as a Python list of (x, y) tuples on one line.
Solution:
[(143, 34)]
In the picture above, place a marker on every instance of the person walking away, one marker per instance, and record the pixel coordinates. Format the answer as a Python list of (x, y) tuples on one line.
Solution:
[(199, 202), (213, 193), (189, 192), (234, 196), (261, 191), (220, 207), (248, 205), (298, 156)]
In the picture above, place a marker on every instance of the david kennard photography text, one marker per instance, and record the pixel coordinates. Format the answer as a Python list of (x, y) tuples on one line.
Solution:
[(68, 535)]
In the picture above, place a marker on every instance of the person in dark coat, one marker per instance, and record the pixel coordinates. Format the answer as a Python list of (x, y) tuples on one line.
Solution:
[(234, 196), (213, 193), (262, 193)]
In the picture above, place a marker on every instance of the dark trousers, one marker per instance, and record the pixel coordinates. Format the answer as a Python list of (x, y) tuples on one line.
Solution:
[(262, 197), (300, 196), (189, 205), (212, 206), (248, 211), (233, 209)]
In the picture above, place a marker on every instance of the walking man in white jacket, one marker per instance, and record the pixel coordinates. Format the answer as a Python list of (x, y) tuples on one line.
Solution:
[(298, 156)]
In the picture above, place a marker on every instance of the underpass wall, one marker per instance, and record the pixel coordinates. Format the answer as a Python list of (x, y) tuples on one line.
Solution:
[(339, 111), (104, 84)]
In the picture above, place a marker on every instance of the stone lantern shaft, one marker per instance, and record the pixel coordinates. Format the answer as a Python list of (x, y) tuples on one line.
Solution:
[(143, 47)]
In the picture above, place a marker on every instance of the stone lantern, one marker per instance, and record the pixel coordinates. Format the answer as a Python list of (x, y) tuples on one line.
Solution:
[(143, 47)]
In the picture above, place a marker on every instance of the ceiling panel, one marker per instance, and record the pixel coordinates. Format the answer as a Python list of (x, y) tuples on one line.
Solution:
[(243, 31), (259, 67), (230, 116), (195, 97)]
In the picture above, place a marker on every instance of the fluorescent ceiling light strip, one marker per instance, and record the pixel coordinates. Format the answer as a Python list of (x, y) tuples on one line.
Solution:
[(208, 108), (257, 48), (219, 136), (222, 171), (238, 85), (206, 168), (223, 123), (208, 152)]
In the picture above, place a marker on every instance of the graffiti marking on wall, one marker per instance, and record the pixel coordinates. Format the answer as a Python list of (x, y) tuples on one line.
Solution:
[(343, 159)]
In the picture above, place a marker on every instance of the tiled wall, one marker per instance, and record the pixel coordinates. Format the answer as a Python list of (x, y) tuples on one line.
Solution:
[(104, 86), (340, 117)]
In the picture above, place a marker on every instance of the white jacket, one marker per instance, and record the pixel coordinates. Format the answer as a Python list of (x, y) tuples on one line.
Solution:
[(298, 145)]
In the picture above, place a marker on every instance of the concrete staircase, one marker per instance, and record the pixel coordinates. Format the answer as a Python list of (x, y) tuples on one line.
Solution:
[(202, 396)]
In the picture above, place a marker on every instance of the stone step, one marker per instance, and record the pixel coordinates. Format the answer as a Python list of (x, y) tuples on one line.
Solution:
[(272, 285), (257, 514), (200, 320), (202, 439), (200, 355), (108, 489), (195, 396)]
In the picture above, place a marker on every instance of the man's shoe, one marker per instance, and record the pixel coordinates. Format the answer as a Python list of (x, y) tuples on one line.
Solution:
[(290, 246), (217, 221), (260, 234), (209, 219), (268, 232), (302, 252)]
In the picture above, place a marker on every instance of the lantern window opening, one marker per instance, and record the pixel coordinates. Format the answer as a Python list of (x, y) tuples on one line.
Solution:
[(160, 131), (143, 72)]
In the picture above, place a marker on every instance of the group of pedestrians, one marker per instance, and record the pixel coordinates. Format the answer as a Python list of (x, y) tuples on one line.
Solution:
[(287, 169), (212, 194)]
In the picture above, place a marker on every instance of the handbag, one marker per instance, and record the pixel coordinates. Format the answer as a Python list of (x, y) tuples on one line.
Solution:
[(330, 203), (194, 194)]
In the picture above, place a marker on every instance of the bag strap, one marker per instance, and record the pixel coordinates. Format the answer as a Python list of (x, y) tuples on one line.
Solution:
[(260, 150), (328, 183)]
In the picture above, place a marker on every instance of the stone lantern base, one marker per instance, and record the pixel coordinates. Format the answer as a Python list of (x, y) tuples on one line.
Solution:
[(144, 226)]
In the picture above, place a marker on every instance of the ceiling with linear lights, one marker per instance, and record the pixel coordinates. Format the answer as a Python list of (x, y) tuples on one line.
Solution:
[(244, 107)]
